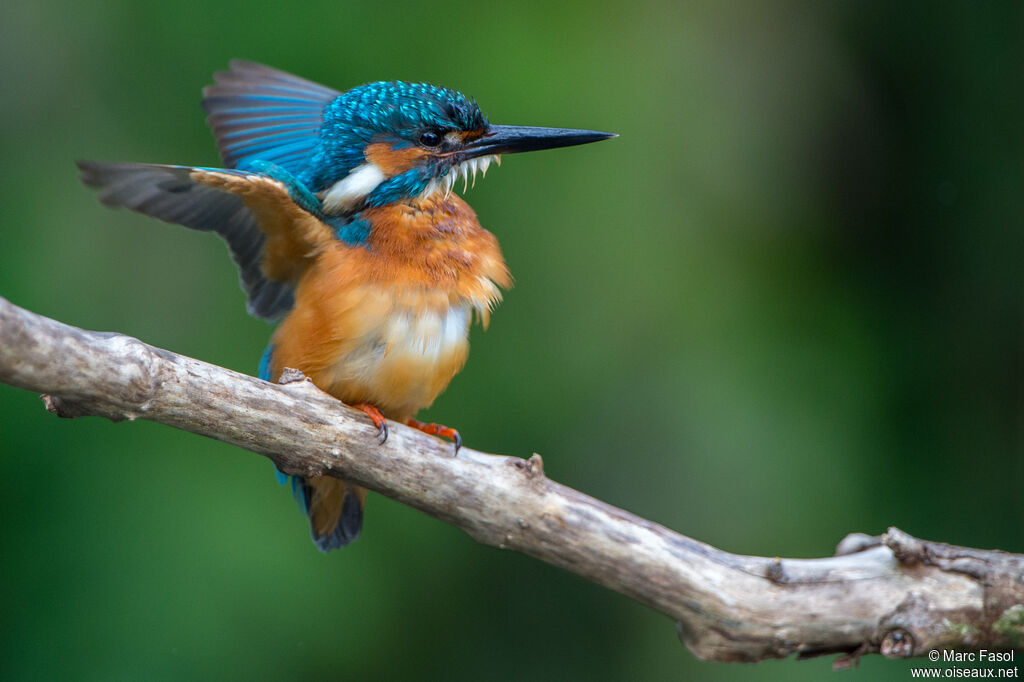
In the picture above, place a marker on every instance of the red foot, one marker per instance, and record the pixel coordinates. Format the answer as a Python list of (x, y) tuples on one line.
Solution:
[(378, 419), (437, 430)]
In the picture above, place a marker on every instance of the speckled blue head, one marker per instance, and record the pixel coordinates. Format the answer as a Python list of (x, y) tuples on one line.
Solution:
[(392, 111)]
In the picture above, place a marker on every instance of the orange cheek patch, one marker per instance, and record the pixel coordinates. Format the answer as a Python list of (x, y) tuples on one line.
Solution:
[(393, 161), (470, 135)]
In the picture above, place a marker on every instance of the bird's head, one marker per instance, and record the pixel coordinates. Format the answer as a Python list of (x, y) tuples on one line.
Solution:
[(390, 141)]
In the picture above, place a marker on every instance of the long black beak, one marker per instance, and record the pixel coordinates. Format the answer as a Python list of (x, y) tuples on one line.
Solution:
[(512, 139)]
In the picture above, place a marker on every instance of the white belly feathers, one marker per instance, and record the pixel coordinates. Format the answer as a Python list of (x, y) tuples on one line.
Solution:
[(408, 357)]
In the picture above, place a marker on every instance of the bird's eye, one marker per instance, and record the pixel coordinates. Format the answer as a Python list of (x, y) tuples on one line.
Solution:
[(430, 138)]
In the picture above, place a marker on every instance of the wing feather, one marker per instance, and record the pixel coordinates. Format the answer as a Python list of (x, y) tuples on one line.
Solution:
[(260, 113), (269, 236)]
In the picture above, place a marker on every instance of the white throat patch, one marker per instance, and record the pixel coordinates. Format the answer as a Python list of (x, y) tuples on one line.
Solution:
[(353, 188)]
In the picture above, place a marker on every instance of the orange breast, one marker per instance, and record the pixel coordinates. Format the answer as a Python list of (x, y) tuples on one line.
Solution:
[(387, 324)]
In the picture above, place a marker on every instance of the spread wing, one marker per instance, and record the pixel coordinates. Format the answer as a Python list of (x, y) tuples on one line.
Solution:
[(270, 236), (260, 113)]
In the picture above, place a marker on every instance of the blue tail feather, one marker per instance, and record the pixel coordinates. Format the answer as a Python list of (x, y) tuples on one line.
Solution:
[(350, 522), (301, 493), (349, 525)]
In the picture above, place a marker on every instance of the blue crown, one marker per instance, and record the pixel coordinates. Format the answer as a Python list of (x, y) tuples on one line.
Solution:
[(393, 108)]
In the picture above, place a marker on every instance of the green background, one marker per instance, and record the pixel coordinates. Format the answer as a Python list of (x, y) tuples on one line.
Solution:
[(785, 304)]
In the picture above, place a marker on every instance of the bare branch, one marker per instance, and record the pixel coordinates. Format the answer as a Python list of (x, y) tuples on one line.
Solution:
[(892, 594)]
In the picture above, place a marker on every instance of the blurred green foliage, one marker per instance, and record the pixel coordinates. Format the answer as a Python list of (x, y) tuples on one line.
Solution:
[(784, 305)]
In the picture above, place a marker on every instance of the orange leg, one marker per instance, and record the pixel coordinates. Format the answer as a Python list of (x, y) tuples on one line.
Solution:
[(437, 430), (378, 419)]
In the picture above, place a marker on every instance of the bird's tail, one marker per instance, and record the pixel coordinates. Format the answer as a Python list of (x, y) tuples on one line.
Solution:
[(334, 507)]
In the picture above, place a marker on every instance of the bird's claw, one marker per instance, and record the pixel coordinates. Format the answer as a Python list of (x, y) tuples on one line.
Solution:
[(438, 430), (378, 420)]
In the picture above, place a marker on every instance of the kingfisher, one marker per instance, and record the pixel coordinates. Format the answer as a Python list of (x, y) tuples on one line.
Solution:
[(339, 210)]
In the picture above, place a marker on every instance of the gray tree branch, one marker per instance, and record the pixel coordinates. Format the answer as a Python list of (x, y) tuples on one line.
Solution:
[(892, 594)]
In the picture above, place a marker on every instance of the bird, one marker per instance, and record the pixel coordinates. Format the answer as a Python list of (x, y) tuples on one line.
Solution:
[(340, 212)]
